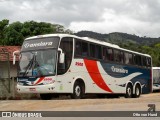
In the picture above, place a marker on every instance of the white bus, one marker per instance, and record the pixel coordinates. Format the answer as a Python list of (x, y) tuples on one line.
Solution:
[(66, 64), (156, 78)]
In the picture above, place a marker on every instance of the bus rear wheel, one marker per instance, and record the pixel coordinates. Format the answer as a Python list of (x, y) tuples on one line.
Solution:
[(46, 96), (129, 91), (78, 91), (137, 91)]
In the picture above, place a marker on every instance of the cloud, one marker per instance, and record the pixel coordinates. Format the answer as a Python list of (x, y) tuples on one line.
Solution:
[(140, 17), (61, 11), (113, 22), (133, 17)]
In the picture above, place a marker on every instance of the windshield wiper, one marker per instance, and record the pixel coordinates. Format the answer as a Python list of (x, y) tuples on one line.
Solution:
[(29, 66)]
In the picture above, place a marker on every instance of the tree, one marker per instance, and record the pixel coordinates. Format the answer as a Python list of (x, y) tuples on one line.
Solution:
[(13, 35), (33, 28), (3, 24)]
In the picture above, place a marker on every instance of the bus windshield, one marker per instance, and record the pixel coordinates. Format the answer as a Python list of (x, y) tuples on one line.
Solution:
[(37, 63)]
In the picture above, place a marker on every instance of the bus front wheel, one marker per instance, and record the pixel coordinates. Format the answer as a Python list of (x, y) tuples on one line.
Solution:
[(77, 91), (129, 91)]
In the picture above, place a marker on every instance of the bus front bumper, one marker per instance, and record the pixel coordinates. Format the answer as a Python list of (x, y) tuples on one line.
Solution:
[(50, 88)]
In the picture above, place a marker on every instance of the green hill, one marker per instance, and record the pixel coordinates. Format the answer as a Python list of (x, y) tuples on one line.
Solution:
[(118, 38)]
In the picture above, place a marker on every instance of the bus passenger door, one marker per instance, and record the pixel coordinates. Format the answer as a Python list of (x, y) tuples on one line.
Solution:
[(63, 72)]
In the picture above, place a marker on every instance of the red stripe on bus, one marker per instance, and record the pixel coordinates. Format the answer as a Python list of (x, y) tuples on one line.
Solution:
[(40, 79), (94, 73)]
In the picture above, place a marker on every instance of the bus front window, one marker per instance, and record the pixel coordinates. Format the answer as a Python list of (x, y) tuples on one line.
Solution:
[(37, 63)]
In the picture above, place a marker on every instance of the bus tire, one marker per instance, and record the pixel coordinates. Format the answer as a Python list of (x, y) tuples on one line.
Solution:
[(77, 91), (137, 91), (46, 96), (129, 91)]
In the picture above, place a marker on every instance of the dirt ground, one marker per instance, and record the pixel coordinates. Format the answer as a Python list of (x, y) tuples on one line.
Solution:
[(88, 104)]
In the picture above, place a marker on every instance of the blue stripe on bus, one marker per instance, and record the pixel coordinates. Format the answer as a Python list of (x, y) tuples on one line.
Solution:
[(120, 71)]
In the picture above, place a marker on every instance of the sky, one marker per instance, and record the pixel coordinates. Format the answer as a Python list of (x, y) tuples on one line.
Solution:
[(139, 17)]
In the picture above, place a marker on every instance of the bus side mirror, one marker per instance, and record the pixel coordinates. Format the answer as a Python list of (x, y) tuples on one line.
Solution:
[(14, 56), (61, 58)]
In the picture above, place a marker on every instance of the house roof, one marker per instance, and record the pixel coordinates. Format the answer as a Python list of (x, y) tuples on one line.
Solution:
[(10, 50)]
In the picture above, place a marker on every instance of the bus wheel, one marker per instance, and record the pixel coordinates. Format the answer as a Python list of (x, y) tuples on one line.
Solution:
[(137, 91), (77, 91), (129, 91), (46, 96)]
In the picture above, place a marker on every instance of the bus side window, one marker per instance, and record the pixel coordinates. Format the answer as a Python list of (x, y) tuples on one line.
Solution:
[(95, 51), (121, 57), (130, 56), (109, 54), (85, 49), (104, 53), (78, 48), (117, 57), (148, 62), (126, 58), (98, 52), (92, 50), (137, 60), (144, 61), (134, 59)]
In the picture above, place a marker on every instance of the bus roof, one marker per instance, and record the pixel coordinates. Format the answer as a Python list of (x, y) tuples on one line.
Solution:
[(87, 39)]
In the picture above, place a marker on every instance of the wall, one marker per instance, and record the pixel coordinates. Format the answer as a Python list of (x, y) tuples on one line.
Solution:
[(4, 69), (7, 88), (10, 84)]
